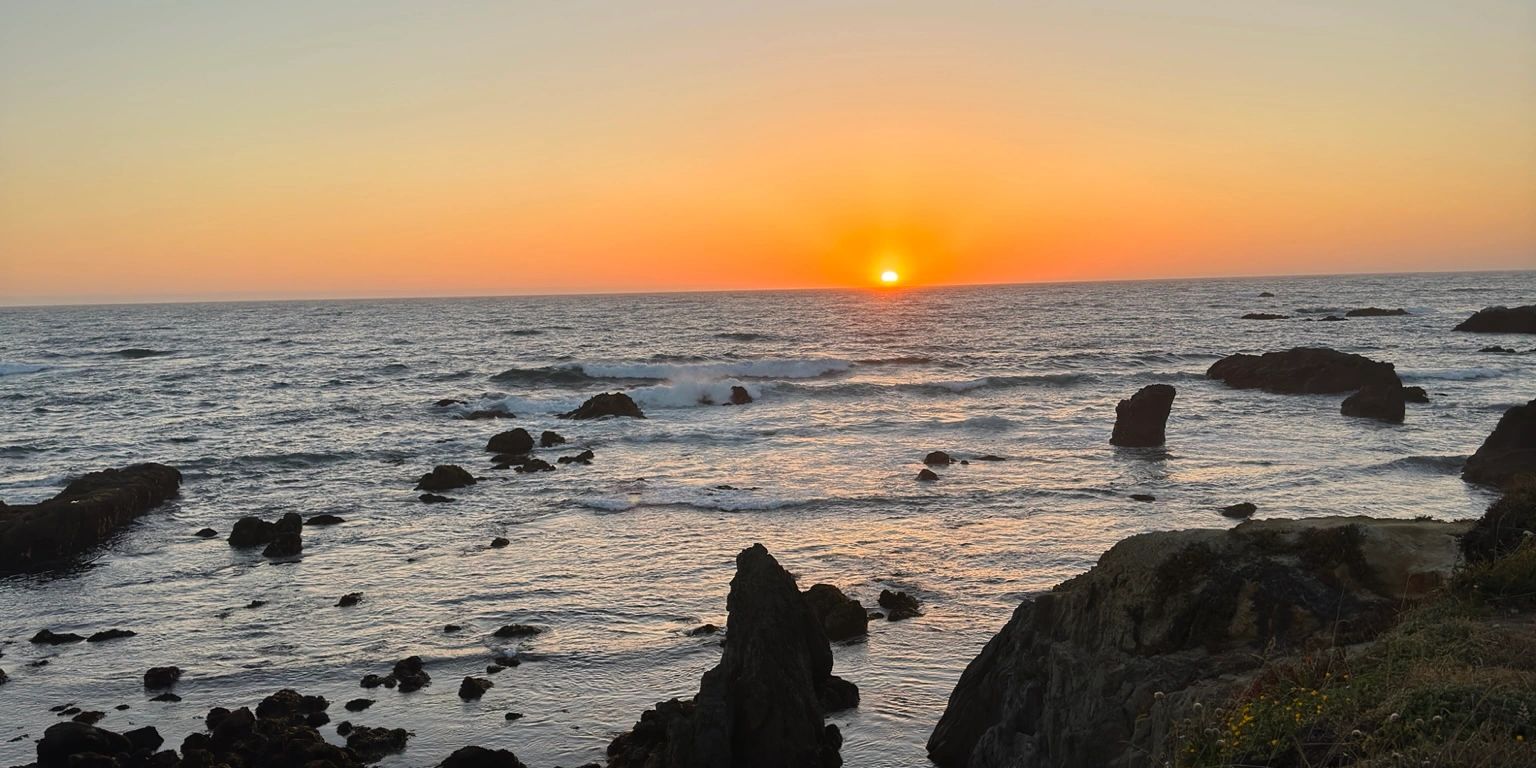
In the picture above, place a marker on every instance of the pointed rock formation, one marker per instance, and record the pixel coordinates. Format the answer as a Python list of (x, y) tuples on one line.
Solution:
[(1509, 451), (1141, 419)]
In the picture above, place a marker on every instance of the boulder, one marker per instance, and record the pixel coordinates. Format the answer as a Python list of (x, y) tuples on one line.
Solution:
[(52, 533), (1415, 395), (110, 634), (252, 531), (938, 459), (1509, 451), (161, 677), (445, 477), (584, 458), (373, 744), (1501, 320), (606, 404), (480, 757), (63, 742), (927, 475), (1070, 681), (899, 605), (763, 705), (534, 465), (499, 542), (411, 675), (349, 599), (512, 442), (1302, 370), (1141, 419), (550, 439), (739, 396), (1239, 511), (285, 544), (1382, 402), (324, 519), (517, 630), (49, 637), (1375, 312), (206, 533), (474, 687), (1265, 316), (841, 617), (432, 498)]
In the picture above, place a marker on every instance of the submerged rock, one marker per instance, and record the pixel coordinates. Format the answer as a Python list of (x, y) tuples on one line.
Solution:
[(1070, 681), (512, 442), (534, 465), (517, 630), (899, 605), (927, 475), (1265, 316), (1141, 419), (110, 634), (1143, 497), (1375, 312), (349, 599), (606, 404), (1509, 451), (324, 519), (1501, 320), (1415, 395), (49, 637), (841, 617), (474, 687), (584, 458), (763, 705), (432, 498), (445, 477), (286, 544), (739, 396), (83, 515)]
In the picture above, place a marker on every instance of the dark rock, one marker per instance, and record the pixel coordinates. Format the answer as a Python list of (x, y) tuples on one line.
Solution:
[(927, 475), (169, 698), (411, 675), (288, 703), (1240, 510), (358, 705), (144, 739), (1265, 316), (606, 404), (161, 677), (1509, 451), (990, 457), (1375, 312), (1501, 320), (739, 396), (515, 441), (548, 439), (89, 718), (1415, 395), (841, 617), (286, 544), (432, 498), (938, 459), (69, 711), (517, 630), (900, 605), (1266, 295), (499, 542), (324, 519), (122, 707), (374, 681), (1303, 370), (703, 629), (448, 401), (534, 465), (490, 413), (763, 705), (83, 515), (510, 716), (206, 533), (110, 634), (63, 743), (585, 457), (255, 604), (372, 744), (1382, 402), (349, 599), (252, 532), (49, 637), (1143, 497), (343, 728), (1329, 319), (1506, 526), (445, 477), (480, 757), (1496, 349), (474, 688), (451, 628), (1141, 419)]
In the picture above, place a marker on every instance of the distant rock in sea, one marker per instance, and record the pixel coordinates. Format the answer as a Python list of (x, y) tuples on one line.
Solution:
[(1501, 320), (445, 477), (1375, 312), (606, 404), (1141, 419), (1265, 316)]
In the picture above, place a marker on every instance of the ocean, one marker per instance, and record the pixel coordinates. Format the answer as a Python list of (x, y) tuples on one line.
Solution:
[(330, 407)]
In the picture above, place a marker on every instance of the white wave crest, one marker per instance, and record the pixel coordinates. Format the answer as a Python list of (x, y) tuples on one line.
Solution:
[(689, 393)]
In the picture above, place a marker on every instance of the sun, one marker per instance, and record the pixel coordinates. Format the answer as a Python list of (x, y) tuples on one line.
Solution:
[(889, 277)]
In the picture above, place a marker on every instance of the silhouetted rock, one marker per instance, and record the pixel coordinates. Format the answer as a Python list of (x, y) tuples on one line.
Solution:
[(899, 605), (1415, 395), (1501, 320), (927, 475), (1329, 319), (513, 442), (73, 744), (1266, 295), (1141, 419), (480, 757), (1143, 497), (938, 459), (349, 599), (517, 630), (83, 515), (89, 718), (146, 738), (534, 465), (703, 629), (110, 634), (286, 544), (1375, 312), (739, 396), (990, 457), (585, 457), (49, 637), (499, 542), (1240, 510), (1382, 402), (251, 531), (448, 401), (550, 439), (411, 674), (841, 617), (606, 404), (762, 706), (1265, 316), (324, 519), (1509, 451), (358, 705), (206, 533), (432, 498), (1303, 370), (372, 744), (1496, 349), (446, 477), (490, 413), (474, 688), (168, 698), (161, 677)]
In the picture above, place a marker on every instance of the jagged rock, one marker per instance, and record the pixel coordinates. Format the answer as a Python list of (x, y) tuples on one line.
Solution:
[(349, 599), (83, 515), (585, 457), (206, 533), (1302, 370), (1375, 312), (938, 459), (1501, 320), (146, 738), (899, 604), (549, 439), (606, 404), (1509, 451), (161, 677), (285, 544), (110, 634), (1498, 350), (762, 705), (1069, 682), (927, 475), (1382, 402), (1265, 316), (445, 477), (432, 498), (288, 703), (474, 688), (703, 629), (372, 744), (324, 519), (49, 637), (499, 542), (480, 757), (1240, 510), (410, 674), (1141, 419), (739, 395), (841, 617), (534, 465), (63, 742), (513, 442)]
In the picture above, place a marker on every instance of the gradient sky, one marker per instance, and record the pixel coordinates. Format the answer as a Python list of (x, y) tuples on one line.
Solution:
[(161, 150)]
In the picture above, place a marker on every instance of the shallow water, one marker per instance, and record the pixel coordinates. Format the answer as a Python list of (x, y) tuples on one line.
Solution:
[(328, 407)]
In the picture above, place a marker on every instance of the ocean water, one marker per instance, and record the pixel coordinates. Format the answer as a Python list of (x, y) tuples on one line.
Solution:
[(328, 407)]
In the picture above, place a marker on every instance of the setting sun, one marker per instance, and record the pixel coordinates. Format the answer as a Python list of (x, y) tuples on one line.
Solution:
[(889, 277)]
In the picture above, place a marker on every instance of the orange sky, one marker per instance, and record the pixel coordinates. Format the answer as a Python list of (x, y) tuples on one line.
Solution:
[(467, 148)]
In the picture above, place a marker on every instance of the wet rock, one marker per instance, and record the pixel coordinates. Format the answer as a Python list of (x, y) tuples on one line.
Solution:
[(534, 465), (67, 744), (1265, 316), (251, 532), (1375, 312), (841, 617), (762, 705), (373, 744), (606, 404), (1501, 320), (1266, 295), (1498, 350), (513, 442), (411, 675), (1509, 451), (286, 544), (448, 401), (473, 688), (739, 396), (899, 605), (374, 681), (585, 457), (51, 533), (89, 718), (1143, 497), (288, 703), (549, 439), (4, 678), (938, 459), (349, 599), (167, 698), (480, 757), (1382, 402), (1303, 370), (1141, 419), (255, 604), (990, 457), (927, 476), (451, 628), (517, 630), (432, 498), (161, 677), (445, 477), (358, 705), (324, 519), (110, 634), (1415, 395), (703, 629), (510, 716), (499, 542), (146, 739), (49, 637), (122, 707), (490, 413), (206, 533), (1239, 511), (1329, 319)]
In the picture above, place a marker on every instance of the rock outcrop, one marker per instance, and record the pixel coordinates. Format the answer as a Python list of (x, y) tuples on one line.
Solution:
[(1302, 371), (762, 706), (1141, 419), (1375, 312), (1265, 316), (1509, 451), (606, 404), (1501, 320), (444, 477), (83, 515), (1069, 682), (842, 617), (512, 442), (1382, 402)]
